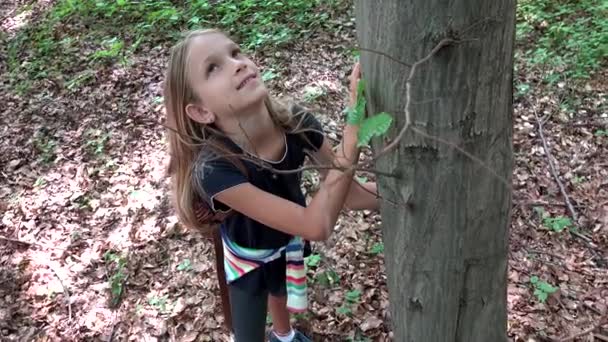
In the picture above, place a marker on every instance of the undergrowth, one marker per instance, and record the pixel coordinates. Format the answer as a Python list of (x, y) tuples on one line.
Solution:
[(93, 32), (567, 37)]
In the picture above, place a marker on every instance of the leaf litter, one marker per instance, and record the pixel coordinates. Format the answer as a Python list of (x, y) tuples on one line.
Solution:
[(83, 177)]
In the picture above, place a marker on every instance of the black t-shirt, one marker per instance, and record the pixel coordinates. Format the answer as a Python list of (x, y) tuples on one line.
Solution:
[(214, 174)]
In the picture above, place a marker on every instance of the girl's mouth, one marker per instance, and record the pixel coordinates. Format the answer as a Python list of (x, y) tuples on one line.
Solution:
[(245, 81)]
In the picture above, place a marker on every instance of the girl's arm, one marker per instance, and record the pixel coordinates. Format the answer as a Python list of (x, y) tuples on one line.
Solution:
[(360, 196), (314, 222)]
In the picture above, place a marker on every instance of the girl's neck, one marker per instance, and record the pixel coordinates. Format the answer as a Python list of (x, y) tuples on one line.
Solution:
[(253, 129)]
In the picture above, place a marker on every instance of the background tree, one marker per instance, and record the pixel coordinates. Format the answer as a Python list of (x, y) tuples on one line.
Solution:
[(444, 70)]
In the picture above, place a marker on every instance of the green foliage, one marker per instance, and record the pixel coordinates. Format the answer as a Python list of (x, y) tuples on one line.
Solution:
[(556, 224), (377, 248), (376, 125), (542, 289), (351, 298), (116, 28), (313, 260), (45, 146), (160, 303), (570, 36), (269, 74), (356, 115), (185, 265), (328, 278), (601, 133), (113, 47), (312, 93), (117, 265), (96, 141)]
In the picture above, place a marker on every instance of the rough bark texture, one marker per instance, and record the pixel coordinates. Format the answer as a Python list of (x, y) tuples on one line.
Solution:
[(446, 251)]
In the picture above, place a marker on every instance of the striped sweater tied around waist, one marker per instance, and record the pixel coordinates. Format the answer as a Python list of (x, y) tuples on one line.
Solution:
[(239, 261)]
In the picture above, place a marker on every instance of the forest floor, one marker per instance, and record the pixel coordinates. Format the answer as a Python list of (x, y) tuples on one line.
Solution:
[(90, 248)]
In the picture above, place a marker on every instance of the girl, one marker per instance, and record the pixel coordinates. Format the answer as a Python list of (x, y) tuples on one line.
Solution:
[(232, 148)]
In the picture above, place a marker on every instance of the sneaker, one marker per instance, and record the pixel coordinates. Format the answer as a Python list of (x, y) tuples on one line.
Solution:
[(298, 337)]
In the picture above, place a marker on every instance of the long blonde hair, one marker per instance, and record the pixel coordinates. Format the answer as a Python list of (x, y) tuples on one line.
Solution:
[(186, 137)]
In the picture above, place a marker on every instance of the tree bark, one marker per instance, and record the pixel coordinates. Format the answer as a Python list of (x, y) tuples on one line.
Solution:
[(446, 250)]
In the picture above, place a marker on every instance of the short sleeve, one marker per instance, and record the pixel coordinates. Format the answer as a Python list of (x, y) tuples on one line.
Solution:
[(213, 175), (313, 130)]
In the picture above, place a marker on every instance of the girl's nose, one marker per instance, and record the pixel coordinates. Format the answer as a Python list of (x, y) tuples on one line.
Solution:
[(240, 66)]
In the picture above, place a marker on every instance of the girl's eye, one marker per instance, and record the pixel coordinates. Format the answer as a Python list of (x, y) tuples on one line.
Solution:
[(235, 53), (211, 68)]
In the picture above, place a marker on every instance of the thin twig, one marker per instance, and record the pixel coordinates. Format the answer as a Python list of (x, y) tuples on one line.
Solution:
[(556, 176), (27, 243), (408, 119), (601, 322), (384, 54), (601, 337), (553, 168), (65, 291)]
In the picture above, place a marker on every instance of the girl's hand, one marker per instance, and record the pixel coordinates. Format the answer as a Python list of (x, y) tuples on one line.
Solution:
[(348, 152), (354, 78)]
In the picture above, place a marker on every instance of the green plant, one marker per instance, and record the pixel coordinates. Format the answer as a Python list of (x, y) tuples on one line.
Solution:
[(40, 182), (578, 179), (569, 36), (45, 146), (185, 265), (312, 93), (327, 278), (269, 75), (542, 289), (377, 248), (351, 298), (556, 224), (117, 264), (48, 48), (376, 125), (313, 260), (601, 133), (160, 303), (96, 141)]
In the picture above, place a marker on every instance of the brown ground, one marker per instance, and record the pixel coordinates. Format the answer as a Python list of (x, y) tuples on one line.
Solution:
[(63, 210)]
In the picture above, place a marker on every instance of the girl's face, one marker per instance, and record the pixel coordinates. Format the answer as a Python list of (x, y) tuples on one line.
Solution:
[(224, 80)]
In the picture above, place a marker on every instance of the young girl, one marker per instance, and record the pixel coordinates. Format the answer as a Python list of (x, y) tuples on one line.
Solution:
[(232, 148)]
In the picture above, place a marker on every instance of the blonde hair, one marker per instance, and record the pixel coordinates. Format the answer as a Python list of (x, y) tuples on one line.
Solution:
[(186, 137)]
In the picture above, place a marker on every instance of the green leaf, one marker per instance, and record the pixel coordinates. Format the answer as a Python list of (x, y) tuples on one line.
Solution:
[(185, 265), (534, 279), (313, 260), (353, 296), (542, 296), (343, 310), (546, 287), (361, 179), (376, 125), (377, 248), (354, 116)]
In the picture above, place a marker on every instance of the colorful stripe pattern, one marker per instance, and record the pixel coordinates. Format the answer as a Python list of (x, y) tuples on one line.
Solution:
[(239, 261)]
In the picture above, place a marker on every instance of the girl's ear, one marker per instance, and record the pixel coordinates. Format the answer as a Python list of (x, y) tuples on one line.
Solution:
[(200, 114)]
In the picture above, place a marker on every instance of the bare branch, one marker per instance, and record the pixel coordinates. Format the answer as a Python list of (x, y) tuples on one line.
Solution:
[(66, 292), (601, 322), (562, 189), (553, 168), (408, 119), (384, 54)]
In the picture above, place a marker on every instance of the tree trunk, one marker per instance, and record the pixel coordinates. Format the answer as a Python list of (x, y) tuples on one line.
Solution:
[(446, 249)]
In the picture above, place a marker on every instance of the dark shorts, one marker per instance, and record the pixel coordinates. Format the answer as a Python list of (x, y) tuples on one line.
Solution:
[(268, 278)]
